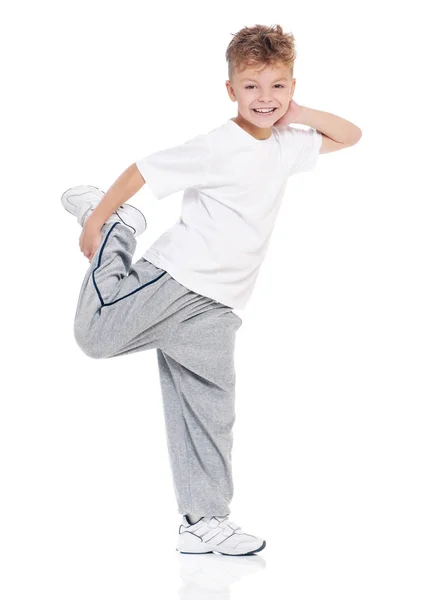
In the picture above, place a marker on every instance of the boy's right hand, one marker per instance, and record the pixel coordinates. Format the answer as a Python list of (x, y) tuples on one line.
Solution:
[(90, 238)]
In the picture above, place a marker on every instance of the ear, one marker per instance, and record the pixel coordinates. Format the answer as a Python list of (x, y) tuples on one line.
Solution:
[(230, 91)]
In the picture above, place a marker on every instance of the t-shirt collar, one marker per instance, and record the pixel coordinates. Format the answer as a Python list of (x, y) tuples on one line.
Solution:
[(246, 135)]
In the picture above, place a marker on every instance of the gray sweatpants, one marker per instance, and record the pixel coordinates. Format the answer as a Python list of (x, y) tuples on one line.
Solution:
[(125, 308)]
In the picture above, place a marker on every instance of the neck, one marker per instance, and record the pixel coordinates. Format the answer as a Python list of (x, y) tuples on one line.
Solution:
[(260, 133)]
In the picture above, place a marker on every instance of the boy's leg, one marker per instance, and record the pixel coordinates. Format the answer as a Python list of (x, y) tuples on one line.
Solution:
[(197, 375), (125, 308), (122, 307)]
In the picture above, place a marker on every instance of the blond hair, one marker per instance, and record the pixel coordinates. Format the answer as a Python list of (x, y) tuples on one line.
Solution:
[(260, 46)]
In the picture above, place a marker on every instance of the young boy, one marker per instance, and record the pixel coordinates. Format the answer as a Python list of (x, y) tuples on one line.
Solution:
[(180, 295)]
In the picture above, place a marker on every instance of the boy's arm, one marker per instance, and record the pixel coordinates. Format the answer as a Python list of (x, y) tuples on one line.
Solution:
[(337, 133), (330, 145), (125, 186)]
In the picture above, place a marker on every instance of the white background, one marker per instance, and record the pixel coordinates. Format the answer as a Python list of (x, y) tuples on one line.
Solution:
[(339, 436)]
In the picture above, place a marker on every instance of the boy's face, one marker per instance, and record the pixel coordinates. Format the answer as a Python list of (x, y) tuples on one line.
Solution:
[(272, 87)]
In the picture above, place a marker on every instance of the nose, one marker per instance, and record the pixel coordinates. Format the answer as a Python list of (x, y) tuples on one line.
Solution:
[(265, 100)]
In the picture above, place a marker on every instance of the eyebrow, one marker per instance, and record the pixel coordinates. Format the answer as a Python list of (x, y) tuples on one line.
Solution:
[(252, 79)]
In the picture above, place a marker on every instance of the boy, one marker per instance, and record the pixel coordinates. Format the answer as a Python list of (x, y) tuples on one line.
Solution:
[(180, 295)]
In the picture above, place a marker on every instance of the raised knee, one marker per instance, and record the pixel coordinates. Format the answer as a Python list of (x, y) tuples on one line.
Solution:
[(87, 344)]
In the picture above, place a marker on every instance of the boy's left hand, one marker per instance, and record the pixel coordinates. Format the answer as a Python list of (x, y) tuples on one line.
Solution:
[(291, 115)]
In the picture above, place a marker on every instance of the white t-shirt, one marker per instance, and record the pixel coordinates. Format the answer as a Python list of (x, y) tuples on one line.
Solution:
[(233, 185)]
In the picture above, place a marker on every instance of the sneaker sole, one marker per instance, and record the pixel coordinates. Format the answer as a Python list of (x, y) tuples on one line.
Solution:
[(215, 551), (129, 208)]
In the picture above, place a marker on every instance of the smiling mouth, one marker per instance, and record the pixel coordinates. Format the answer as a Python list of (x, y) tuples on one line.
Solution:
[(267, 112)]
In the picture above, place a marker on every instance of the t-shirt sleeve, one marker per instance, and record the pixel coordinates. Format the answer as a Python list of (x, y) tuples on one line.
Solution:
[(177, 168), (304, 148)]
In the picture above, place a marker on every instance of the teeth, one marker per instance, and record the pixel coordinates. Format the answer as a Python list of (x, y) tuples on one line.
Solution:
[(263, 110)]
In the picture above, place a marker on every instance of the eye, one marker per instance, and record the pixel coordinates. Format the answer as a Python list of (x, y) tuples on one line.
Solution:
[(251, 86)]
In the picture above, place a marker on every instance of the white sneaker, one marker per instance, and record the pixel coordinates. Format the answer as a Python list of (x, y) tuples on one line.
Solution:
[(81, 200), (216, 534)]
